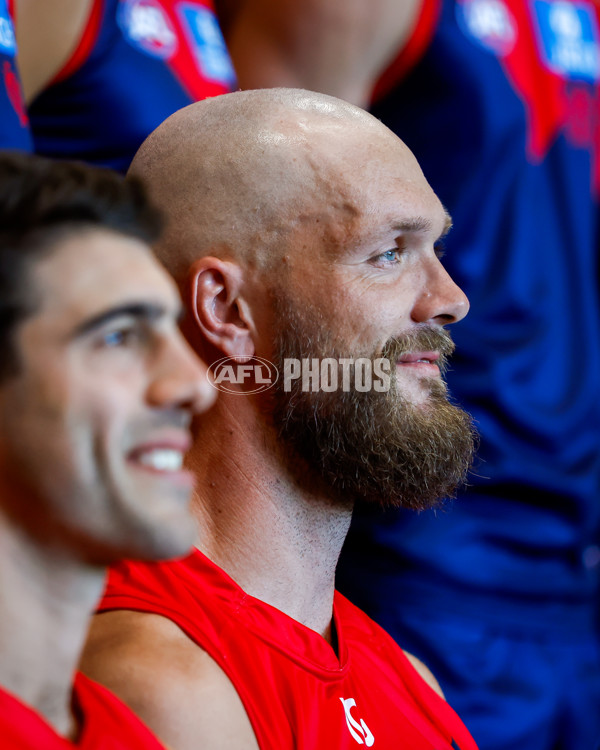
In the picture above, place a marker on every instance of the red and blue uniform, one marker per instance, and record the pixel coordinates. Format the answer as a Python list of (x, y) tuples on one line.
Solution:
[(299, 693), (14, 125), (500, 102), (105, 723), (138, 61)]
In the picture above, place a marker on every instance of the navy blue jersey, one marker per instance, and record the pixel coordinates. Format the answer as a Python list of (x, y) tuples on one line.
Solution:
[(137, 62), (14, 125), (501, 108)]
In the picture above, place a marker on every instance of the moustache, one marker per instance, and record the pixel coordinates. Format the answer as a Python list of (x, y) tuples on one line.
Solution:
[(425, 339)]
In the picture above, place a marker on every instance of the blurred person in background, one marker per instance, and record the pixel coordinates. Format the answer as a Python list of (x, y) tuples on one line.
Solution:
[(100, 75), (499, 101), (97, 391)]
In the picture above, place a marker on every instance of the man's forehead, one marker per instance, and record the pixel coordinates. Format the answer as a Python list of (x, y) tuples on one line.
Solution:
[(386, 203), (367, 170), (94, 271)]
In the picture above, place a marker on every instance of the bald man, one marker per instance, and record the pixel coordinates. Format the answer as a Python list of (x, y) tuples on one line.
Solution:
[(304, 237)]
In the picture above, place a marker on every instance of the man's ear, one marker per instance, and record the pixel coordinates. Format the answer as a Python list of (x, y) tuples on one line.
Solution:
[(222, 317)]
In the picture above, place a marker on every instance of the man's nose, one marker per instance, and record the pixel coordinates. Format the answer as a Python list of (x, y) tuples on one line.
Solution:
[(440, 300), (182, 379)]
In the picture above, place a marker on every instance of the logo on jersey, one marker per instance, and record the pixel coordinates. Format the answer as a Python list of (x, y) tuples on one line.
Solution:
[(8, 44), (207, 43), (490, 23), (146, 25), (568, 34), (358, 729)]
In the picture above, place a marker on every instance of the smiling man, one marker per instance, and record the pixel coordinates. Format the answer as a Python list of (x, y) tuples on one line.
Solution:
[(97, 390), (301, 229)]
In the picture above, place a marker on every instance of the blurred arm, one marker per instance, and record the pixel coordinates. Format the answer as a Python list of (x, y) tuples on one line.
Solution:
[(48, 32)]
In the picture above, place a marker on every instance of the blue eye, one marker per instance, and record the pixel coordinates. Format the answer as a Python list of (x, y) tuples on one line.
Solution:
[(118, 337), (390, 256), (114, 338)]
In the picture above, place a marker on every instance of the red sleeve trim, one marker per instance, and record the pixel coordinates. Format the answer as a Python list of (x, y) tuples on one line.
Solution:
[(11, 10), (86, 43), (412, 51)]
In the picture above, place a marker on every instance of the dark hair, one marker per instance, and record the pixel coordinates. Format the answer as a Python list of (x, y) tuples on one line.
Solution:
[(42, 202)]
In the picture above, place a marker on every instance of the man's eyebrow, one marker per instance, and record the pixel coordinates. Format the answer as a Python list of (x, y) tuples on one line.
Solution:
[(416, 224), (148, 311), (421, 224)]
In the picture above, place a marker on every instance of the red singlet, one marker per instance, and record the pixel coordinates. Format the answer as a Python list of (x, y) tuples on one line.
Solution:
[(297, 692), (106, 723)]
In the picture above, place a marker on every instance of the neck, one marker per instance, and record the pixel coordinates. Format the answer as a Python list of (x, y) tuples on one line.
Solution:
[(46, 600), (279, 541)]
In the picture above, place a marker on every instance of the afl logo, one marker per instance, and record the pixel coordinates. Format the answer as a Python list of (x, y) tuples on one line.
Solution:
[(8, 45), (145, 25), (254, 375), (570, 39), (488, 22)]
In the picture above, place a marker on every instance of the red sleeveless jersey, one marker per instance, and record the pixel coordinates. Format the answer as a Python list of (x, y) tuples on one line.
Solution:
[(107, 723), (298, 693)]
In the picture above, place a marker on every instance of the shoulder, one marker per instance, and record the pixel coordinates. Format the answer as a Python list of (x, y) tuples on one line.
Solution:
[(47, 33), (169, 681), (425, 673)]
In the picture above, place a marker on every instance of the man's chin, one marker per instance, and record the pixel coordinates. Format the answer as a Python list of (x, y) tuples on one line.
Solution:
[(422, 393), (391, 452)]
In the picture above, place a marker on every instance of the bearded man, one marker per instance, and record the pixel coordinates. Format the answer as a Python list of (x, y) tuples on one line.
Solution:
[(302, 231)]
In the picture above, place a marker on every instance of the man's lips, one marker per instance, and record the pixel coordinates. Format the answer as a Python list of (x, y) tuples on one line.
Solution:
[(426, 361)]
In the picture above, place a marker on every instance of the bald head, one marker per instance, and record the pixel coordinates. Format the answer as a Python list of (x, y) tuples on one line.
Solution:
[(234, 173)]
